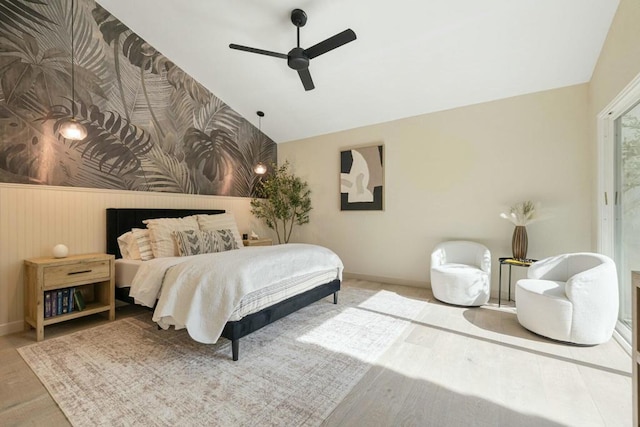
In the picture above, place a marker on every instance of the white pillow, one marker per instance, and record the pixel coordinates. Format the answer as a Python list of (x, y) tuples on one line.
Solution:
[(140, 247), (161, 229), (123, 243), (225, 221)]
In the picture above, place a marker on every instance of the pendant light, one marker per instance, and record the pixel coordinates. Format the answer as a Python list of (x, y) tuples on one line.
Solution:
[(260, 168), (71, 129)]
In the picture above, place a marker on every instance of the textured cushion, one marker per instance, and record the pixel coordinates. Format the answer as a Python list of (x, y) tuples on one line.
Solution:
[(543, 308), (225, 241), (140, 247), (161, 231), (225, 221), (195, 242)]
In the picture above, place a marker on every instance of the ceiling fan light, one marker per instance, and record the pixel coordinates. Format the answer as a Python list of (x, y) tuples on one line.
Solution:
[(73, 130), (260, 168)]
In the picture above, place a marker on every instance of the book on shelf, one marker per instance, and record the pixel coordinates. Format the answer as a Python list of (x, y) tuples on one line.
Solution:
[(59, 302), (47, 304), (70, 300), (54, 303), (65, 301), (79, 299)]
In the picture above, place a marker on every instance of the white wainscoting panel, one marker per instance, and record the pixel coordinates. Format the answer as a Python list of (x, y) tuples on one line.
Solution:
[(35, 218)]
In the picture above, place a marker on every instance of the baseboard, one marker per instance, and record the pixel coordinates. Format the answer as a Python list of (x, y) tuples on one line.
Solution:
[(389, 280), (622, 342), (11, 328)]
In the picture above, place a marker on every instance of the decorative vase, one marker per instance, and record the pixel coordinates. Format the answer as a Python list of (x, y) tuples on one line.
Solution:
[(519, 242)]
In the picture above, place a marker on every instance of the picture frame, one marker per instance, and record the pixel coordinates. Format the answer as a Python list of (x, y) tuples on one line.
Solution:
[(362, 178)]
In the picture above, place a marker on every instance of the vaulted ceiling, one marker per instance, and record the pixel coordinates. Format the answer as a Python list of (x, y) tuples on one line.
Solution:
[(411, 57)]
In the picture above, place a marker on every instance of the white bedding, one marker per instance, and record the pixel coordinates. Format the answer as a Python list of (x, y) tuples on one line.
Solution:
[(201, 292), (126, 270)]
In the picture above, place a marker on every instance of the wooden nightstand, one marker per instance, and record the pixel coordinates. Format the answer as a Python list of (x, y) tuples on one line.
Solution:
[(258, 242), (92, 274)]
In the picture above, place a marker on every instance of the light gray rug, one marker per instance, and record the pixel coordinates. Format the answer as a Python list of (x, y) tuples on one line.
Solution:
[(292, 372)]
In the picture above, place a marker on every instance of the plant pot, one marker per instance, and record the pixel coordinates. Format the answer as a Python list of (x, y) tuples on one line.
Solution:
[(519, 242)]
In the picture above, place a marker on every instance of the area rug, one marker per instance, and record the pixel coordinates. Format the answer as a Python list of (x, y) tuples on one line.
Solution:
[(292, 372)]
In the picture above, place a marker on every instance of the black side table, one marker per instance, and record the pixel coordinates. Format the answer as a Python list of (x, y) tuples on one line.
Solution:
[(510, 262)]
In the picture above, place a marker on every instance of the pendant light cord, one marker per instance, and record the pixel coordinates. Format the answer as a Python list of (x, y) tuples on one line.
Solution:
[(73, 77)]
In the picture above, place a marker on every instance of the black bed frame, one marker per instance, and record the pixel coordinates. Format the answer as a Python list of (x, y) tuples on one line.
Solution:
[(121, 220)]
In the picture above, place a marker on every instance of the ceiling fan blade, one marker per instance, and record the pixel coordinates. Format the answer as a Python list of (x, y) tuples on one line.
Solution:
[(260, 51), (307, 81), (331, 43)]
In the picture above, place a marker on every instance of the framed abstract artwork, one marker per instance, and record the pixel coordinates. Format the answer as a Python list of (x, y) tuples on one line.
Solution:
[(362, 178)]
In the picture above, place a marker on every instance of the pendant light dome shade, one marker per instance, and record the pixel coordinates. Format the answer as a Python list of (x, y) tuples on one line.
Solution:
[(260, 168), (71, 129)]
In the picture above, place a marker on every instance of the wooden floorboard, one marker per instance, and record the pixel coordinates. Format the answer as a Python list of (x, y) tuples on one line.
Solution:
[(452, 366)]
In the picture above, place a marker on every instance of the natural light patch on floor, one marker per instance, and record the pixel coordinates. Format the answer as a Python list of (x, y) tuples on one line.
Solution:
[(486, 358), (481, 361), (364, 329)]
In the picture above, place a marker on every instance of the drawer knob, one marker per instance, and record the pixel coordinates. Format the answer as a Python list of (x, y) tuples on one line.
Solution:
[(79, 272)]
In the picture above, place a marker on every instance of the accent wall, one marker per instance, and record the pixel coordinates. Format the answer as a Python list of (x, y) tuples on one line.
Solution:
[(151, 126)]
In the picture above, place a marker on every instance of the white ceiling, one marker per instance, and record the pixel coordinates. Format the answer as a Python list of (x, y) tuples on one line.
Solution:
[(411, 56)]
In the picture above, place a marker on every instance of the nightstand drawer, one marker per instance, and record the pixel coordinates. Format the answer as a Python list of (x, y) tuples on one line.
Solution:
[(76, 273)]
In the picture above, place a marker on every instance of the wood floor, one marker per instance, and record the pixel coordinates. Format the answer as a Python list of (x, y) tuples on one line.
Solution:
[(454, 366)]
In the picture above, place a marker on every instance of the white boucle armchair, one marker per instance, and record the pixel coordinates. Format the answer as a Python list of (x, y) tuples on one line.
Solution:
[(570, 297), (461, 273)]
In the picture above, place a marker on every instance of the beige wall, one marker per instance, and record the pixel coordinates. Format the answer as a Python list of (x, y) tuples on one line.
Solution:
[(448, 176), (35, 218)]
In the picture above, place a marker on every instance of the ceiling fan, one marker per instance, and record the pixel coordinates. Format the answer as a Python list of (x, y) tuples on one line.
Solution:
[(298, 58)]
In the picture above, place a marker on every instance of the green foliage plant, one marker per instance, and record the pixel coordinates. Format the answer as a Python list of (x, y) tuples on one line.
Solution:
[(284, 202)]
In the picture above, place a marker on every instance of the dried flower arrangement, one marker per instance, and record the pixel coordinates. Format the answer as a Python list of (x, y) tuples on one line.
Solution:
[(523, 213)]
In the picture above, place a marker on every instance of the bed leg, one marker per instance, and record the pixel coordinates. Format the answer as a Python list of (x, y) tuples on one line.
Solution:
[(235, 347), (335, 297)]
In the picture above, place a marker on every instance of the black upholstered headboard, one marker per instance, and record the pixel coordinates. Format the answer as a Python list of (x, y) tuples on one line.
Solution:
[(119, 221)]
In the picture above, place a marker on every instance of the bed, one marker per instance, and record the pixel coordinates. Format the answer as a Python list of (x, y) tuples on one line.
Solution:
[(122, 220)]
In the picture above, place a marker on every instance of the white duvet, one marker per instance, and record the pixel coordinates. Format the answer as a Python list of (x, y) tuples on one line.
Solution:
[(201, 292)]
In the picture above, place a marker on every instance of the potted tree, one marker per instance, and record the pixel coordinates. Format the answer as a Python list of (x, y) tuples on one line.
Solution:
[(283, 202)]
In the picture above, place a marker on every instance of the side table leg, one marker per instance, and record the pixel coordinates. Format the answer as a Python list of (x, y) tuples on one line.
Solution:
[(509, 282), (499, 283)]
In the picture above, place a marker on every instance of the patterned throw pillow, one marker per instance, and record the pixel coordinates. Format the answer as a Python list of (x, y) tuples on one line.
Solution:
[(225, 240), (225, 221), (195, 242)]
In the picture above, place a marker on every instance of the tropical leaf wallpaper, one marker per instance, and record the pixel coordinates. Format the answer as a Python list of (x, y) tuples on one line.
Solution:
[(151, 127)]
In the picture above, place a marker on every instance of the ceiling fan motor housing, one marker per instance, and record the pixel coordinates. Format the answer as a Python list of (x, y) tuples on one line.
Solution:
[(297, 59)]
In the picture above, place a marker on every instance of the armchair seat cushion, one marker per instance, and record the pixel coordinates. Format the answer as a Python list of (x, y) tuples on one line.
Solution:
[(544, 308)]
